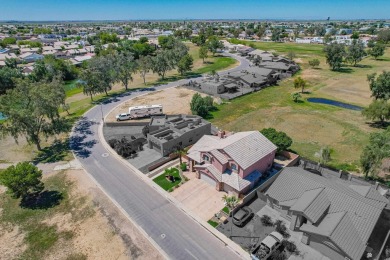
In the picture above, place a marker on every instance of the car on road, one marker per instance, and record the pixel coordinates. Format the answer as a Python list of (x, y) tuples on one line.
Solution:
[(122, 117), (242, 216), (267, 246)]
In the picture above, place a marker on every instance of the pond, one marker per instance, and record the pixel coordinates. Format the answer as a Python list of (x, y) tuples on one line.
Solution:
[(334, 103)]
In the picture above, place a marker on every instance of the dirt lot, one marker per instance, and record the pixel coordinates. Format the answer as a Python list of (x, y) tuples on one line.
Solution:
[(174, 100), (98, 230)]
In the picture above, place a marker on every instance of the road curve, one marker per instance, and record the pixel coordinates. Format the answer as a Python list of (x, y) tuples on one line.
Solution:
[(173, 231)]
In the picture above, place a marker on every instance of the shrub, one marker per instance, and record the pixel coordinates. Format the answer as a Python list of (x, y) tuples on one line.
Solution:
[(290, 247), (266, 221), (112, 143), (170, 190), (278, 255), (314, 63), (183, 166), (281, 228)]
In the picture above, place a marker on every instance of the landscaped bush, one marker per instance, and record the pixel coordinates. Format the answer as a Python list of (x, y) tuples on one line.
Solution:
[(112, 143), (290, 247), (183, 166), (266, 221), (278, 255), (281, 228)]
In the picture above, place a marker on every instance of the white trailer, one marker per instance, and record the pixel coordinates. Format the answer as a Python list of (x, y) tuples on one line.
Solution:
[(145, 111)]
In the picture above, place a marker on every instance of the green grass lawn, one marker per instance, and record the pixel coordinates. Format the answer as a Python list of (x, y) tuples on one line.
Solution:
[(310, 125), (39, 236), (285, 47), (71, 88), (213, 223), (226, 210), (219, 64), (164, 183)]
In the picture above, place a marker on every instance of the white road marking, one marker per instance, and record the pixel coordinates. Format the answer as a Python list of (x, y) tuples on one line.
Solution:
[(188, 251), (105, 155)]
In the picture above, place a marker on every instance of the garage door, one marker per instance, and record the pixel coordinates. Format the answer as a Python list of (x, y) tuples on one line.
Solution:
[(229, 189), (208, 179)]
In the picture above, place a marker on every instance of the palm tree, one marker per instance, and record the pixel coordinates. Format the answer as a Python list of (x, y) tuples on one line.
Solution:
[(180, 152), (300, 83), (231, 203)]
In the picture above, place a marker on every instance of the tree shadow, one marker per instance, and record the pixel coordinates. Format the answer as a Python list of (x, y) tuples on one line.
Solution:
[(345, 70), (363, 66), (56, 152), (77, 142), (379, 125), (44, 200), (299, 101)]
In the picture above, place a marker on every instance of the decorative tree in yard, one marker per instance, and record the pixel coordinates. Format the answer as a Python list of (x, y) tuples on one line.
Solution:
[(230, 202), (280, 139)]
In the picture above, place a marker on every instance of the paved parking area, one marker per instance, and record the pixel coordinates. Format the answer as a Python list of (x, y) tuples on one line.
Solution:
[(199, 197)]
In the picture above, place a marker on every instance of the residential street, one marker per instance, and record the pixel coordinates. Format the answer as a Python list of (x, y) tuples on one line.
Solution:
[(179, 236)]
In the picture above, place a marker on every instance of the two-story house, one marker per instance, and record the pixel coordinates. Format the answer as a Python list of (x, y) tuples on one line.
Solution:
[(337, 217), (232, 163)]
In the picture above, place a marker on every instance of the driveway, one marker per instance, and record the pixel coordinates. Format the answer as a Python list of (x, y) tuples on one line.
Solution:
[(199, 197)]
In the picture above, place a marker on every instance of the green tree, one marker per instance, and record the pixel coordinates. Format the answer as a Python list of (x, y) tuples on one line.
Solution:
[(125, 66), (378, 110), (203, 53), (377, 50), (185, 64), (145, 64), (291, 55), (296, 96), (300, 83), (32, 110), (180, 152), (280, 139), (375, 151), (162, 63), (22, 180), (355, 52), (99, 75), (384, 36), (380, 86), (314, 63), (11, 63), (198, 105), (7, 78), (230, 201), (214, 44), (355, 36), (334, 53)]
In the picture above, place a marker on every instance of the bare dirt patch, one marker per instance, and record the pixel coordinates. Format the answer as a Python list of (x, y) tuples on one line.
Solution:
[(174, 101)]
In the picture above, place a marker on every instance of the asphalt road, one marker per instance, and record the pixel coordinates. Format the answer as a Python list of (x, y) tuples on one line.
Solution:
[(178, 235)]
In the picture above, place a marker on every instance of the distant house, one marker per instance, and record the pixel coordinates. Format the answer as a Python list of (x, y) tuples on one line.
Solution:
[(232, 163), (4, 56), (30, 57), (336, 218)]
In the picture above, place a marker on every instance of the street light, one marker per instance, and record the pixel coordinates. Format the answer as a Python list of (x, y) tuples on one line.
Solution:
[(101, 109)]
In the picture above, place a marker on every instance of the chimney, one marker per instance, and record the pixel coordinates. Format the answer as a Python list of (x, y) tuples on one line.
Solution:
[(376, 185), (221, 134)]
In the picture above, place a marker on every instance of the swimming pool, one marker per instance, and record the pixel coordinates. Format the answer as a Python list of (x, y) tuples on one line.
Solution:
[(334, 103)]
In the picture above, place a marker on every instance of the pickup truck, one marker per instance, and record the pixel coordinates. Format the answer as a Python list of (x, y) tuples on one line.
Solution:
[(267, 246)]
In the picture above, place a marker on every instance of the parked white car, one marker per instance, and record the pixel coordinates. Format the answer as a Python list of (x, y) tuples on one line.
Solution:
[(267, 246), (122, 117)]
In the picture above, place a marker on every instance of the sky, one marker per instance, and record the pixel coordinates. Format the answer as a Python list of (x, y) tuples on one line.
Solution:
[(56, 10)]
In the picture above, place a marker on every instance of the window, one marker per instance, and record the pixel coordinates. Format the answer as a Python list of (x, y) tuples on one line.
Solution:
[(234, 167), (206, 158)]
